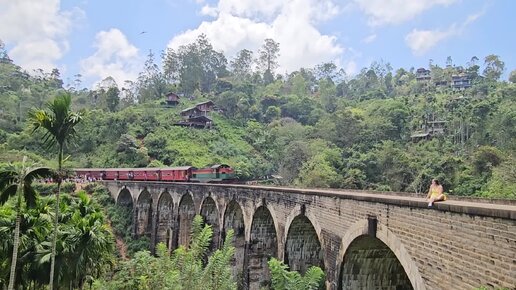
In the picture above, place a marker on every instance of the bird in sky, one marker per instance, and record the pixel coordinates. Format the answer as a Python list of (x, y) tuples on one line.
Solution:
[(143, 32)]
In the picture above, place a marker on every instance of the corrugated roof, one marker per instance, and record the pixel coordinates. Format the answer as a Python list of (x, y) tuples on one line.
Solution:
[(172, 93), (202, 103), (219, 165), (418, 135), (189, 109)]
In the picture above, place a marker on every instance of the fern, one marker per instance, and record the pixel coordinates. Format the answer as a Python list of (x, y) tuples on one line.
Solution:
[(283, 279)]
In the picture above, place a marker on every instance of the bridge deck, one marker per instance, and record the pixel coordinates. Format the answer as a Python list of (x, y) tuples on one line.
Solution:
[(485, 207), (461, 206)]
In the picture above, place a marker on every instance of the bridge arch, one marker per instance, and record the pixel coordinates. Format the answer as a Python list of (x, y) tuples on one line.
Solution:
[(375, 261), (210, 213), (253, 210), (125, 198), (263, 245), (234, 219), (165, 219), (186, 213), (303, 244), (144, 213)]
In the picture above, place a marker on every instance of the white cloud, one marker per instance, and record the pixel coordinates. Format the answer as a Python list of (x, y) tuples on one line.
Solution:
[(421, 41), (245, 24), (36, 31), (114, 57), (382, 12), (369, 38), (351, 68)]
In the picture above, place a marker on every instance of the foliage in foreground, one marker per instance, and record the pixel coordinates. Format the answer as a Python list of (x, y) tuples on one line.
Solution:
[(283, 279), (121, 219), (16, 181), (84, 251), (183, 269)]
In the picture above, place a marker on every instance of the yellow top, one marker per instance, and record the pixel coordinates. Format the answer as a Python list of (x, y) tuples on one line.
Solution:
[(434, 192)]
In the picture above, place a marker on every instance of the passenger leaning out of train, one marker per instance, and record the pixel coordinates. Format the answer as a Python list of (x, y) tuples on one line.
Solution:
[(435, 193)]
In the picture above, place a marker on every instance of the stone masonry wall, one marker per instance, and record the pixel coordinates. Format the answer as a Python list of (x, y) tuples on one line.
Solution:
[(234, 219), (455, 245)]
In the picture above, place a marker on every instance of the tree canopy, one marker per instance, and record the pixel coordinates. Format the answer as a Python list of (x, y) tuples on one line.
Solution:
[(314, 127)]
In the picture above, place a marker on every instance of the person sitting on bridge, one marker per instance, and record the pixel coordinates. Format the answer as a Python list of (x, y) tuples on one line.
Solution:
[(435, 193)]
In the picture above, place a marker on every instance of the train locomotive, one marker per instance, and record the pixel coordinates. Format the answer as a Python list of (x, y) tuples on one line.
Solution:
[(220, 173)]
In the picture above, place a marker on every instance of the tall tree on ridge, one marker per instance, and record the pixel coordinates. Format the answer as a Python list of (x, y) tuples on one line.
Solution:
[(59, 122), (268, 59), (241, 66), (494, 67), (151, 84), (17, 180)]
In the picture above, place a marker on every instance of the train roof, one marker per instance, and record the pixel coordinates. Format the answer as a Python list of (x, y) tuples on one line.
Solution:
[(220, 166)]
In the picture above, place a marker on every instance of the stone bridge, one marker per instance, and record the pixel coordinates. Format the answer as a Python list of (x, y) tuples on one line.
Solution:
[(362, 240)]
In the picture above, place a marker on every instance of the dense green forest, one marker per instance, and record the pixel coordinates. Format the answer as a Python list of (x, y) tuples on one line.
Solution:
[(315, 127)]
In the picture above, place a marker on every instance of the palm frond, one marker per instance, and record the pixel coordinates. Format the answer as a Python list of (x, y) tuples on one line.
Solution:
[(38, 172), (58, 121), (7, 177), (8, 192)]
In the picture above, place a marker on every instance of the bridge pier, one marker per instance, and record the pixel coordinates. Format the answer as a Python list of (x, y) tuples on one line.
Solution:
[(361, 240)]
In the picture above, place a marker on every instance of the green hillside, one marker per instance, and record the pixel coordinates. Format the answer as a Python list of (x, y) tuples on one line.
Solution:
[(382, 129)]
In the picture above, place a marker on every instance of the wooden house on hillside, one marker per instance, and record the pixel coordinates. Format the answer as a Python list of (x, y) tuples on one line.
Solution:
[(198, 116), (205, 106), (423, 75), (428, 130), (461, 81), (191, 112), (172, 99)]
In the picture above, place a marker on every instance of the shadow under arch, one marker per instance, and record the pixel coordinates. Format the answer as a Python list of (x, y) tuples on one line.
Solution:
[(185, 216), (125, 198), (272, 212), (263, 245), (165, 219), (377, 261), (144, 213), (210, 214), (302, 245)]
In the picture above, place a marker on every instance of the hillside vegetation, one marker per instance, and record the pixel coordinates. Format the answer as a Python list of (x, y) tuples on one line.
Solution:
[(315, 127)]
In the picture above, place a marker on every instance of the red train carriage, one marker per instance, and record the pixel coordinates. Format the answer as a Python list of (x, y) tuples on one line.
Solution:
[(90, 173), (216, 173), (182, 173), (124, 174), (82, 173), (146, 174), (110, 174)]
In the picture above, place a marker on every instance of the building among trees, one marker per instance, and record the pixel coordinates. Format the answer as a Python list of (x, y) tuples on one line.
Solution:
[(197, 116), (172, 99), (429, 129), (423, 75), (461, 81)]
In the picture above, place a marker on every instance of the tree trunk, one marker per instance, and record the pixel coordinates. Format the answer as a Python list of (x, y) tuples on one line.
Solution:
[(56, 219), (54, 238), (16, 243)]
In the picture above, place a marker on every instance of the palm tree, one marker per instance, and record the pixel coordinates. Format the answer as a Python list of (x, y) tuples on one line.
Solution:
[(90, 240), (17, 180), (59, 122)]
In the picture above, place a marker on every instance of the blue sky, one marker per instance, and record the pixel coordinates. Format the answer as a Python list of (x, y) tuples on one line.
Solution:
[(104, 38)]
